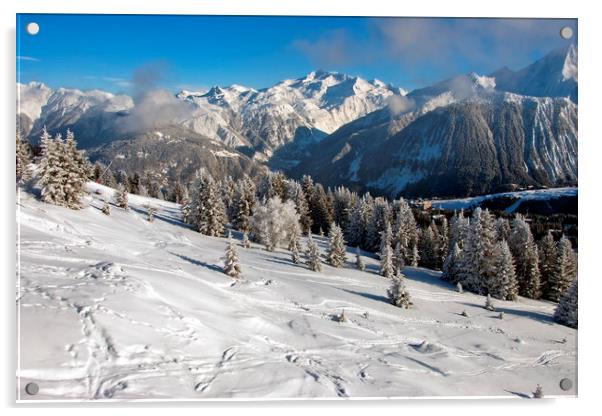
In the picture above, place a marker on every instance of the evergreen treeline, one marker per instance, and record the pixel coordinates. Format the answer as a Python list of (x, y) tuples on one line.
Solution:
[(491, 256)]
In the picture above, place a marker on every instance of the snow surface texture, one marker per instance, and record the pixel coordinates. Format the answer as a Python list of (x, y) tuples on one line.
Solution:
[(521, 196), (116, 307)]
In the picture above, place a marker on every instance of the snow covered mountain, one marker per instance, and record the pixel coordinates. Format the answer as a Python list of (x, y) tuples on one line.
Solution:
[(90, 114), (554, 75), (462, 136), (305, 109), (116, 307)]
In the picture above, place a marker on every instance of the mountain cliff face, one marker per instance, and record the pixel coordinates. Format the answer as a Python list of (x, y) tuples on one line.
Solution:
[(462, 136)]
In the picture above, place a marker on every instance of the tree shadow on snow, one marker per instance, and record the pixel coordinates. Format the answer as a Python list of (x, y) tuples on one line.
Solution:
[(197, 262), (538, 316), (519, 394), (371, 296), (158, 216)]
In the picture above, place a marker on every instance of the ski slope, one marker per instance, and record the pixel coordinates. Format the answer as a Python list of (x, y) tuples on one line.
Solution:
[(116, 307), (521, 196)]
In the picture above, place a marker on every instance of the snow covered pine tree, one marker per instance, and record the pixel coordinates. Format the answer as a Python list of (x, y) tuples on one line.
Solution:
[(231, 263), (336, 254)]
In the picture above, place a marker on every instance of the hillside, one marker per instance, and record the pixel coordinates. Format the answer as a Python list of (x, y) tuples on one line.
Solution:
[(128, 309)]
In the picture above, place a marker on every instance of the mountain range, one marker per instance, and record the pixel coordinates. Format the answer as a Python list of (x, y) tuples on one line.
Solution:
[(466, 135)]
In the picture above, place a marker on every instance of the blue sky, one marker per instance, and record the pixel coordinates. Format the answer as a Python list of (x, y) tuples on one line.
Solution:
[(121, 53)]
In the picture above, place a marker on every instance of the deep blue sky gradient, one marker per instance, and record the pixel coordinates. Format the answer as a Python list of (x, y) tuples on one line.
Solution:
[(193, 52)]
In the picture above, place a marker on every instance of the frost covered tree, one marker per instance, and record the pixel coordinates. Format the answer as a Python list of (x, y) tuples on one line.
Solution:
[(526, 257), (398, 261), (378, 223), (209, 211), (386, 262), (564, 272), (567, 310), (489, 303), (294, 245), (231, 263), (245, 240), (505, 286), (343, 201), (359, 262), (313, 255), (64, 171), (458, 229), (274, 222), (243, 204), (121, 197), (538, 393), (150, 212), (547, 262), (405, 229), (502, 228), (398, 293), (452, 265), (52, 174), (22, 161), (355, 232), (106, 208), (336, 253), (297, 195), (477, 269)]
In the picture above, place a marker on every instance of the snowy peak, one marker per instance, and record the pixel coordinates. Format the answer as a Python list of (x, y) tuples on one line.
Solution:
[(569, 69), (554, 75)]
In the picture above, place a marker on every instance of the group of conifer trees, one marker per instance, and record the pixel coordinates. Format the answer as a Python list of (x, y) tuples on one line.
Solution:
[(486, 255)]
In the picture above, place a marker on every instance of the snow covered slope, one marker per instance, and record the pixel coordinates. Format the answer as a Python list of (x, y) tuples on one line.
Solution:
[(115, 307)]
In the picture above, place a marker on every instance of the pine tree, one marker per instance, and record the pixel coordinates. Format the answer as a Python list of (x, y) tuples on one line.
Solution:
[(428, 247), (355, 233), (52, 174), (442, 242), (245, 240), (386, 262), (398, 294), (567, 310), (294, 245), (489, 303), (547, 262), (211, 214), (415, 256), (22, 161), (231, 263), (313, 255), (538, 393), (398, 262), (178, 193), (121, 197), (106, 209), (477, 264), (150, 212), (320, 209), (564, 272), (451, 266), (336, 254), (359, 262), (526, 257), (406, 231), (379, 223), (505, 286)]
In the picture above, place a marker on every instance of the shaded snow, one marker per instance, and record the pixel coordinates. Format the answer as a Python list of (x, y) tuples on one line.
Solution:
[(117, 307)]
